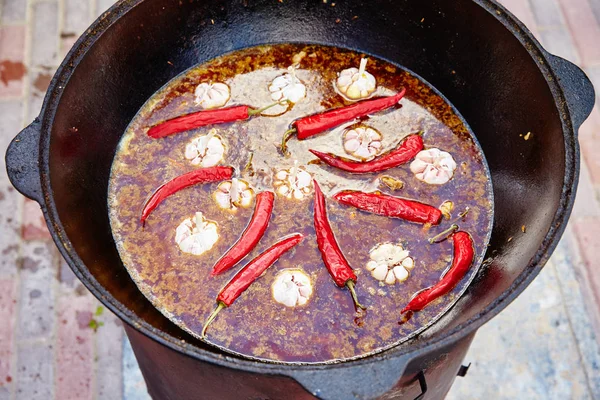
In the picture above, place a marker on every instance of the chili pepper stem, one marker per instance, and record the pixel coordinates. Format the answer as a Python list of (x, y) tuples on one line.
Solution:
[(286, 137), (249, 163), (464, 213), (443, 235), (211, 318), (350, 286), (406, 316), (259, 111)]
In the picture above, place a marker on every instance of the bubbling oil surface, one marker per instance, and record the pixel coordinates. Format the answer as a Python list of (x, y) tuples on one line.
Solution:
[(323, 330)]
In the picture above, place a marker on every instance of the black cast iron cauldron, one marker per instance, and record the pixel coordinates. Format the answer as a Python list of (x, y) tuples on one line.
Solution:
[(478, 55)]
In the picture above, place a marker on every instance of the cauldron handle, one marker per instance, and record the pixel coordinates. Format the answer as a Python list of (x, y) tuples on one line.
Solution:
[(23, 162), (367, 380), (577, 88), (422, 384)]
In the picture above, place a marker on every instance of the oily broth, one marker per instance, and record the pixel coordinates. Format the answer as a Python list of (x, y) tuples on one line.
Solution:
[(179, 284)]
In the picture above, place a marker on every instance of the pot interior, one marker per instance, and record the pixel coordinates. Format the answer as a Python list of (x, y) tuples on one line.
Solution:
[(459, 47)]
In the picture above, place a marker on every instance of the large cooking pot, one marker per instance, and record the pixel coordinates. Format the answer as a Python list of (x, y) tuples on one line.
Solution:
[(476, 53)]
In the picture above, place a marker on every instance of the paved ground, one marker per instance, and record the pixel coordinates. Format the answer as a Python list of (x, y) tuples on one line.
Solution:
[(57, 342)]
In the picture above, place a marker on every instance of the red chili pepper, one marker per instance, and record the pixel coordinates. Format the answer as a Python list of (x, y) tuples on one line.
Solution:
[(252, 271), (318, 123), (334, 259), (202, 175), (464, 254), (251, 236), (390, 206), (402, 154), (203, 118)]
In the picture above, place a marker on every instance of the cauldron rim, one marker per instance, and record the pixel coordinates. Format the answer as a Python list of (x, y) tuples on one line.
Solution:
[(543, 61)]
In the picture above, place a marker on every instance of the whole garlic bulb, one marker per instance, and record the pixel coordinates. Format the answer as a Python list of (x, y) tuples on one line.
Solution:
[(433, 166), (212, 95), (287, 87), (356, 83)]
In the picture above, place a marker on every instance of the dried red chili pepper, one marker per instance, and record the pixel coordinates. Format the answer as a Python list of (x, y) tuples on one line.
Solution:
[(204, 118), (390, 206), (251, 236), (334, 259), (464, 254), (202, 175), (252, 271), (405, 152), (312, 125)]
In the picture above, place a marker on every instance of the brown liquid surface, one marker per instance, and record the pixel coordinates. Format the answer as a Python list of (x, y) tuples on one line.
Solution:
[(256, 325)]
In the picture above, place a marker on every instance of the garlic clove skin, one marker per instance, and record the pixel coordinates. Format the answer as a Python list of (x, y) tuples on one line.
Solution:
[(363, 153), (390, 263), (408, 263), (371, 265), (245, 198), (210, 160), (303, 179), (294, 183), (380, 272), (233, 194), (397, 256), (401, 273), (191, 151), (292, 288), (287, 87), (418, 166), (433, 166), (281, 175), (304, 294), (206, 150), (283, 190), (351, 146), (345, 77), (381, 252), (223, 199), (287, 296), (212, 95), (390, 279), (196, 235)]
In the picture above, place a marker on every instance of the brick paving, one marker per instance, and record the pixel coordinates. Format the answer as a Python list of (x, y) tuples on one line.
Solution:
[(583, 24), (57, 342), (12, 41)]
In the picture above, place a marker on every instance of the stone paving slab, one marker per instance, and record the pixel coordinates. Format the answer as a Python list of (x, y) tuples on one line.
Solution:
[(57, 342), (34, 379), (109, 355), (11, 115), (134, 387), (37, 291), (12, 43), (8, 301), (45, 35), (13, 10), (540, 347), (585, 29), (75, 348)]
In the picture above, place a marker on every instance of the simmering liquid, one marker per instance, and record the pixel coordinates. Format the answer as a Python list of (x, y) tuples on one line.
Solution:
[(326, 328)]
